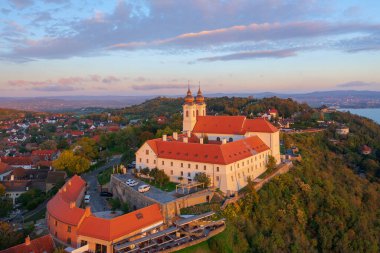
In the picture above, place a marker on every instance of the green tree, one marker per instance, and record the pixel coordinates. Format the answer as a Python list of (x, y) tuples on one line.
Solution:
[(5, 203), (49, 144), (271, 164), (8, 236), (202, 177)]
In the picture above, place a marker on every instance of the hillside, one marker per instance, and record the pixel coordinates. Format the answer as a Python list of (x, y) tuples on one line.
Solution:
[(319, 206)]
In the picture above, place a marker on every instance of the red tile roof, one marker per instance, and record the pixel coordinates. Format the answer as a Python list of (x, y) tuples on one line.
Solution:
[(208, 153), (4, 167), (232, 125), (17, 160), (44, 152), (120, 226), (59, 206), (42, 244)]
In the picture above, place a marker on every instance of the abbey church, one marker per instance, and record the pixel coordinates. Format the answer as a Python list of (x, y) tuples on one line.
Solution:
[(229, 149)]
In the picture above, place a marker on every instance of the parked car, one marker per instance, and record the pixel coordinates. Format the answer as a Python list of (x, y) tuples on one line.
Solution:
[(144, 188), (106, 194), (133, 183), (129, 181), (87, 199)]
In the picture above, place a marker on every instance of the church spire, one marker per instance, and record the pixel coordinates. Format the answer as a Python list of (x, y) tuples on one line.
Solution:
[(199, 99), (189, 96)]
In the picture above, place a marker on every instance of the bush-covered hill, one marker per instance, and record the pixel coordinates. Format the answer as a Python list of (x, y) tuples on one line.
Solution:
[(319, 206)]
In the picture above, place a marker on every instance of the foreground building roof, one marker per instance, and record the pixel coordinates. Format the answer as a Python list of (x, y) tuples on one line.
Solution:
[(115, 228), (43, 244)]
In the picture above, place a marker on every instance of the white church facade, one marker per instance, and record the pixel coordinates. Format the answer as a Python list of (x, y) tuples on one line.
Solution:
[(229, 149)]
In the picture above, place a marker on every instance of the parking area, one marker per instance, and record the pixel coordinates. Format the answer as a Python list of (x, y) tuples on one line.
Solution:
[(154, 193)]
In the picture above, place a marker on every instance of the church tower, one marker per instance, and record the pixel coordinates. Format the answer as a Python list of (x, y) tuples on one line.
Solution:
[(193, 108)]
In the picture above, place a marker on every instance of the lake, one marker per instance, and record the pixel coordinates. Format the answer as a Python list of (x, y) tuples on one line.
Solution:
[(372, 113)]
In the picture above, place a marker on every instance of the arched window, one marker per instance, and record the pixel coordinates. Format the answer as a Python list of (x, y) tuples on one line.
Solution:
[(197, 112), (230, 139), (187, 113), (218, 138)]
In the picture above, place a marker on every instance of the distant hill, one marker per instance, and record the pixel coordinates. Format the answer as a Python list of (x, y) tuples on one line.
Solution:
[(343, 99)]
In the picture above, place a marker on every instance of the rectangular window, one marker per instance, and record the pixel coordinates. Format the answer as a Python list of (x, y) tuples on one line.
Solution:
[(188, 174), (181, 165), (189, 166), (147, 160), (56, 223), (196, 166), (181, 173), (217, 169), (69, 229), (147, 152), (217, 178), (163, 162), (171, 172), (171, 164), (140, 160), (69, 240)]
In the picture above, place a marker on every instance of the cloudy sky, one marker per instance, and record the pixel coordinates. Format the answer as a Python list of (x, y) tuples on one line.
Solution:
[(127, 47)]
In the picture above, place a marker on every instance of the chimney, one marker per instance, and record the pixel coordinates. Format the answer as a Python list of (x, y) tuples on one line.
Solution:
[(189, 134), (72, 204), (27, 240), (12, 177), (164, 137), (224, 141), (175, 136), (185, 140), (201, 140)]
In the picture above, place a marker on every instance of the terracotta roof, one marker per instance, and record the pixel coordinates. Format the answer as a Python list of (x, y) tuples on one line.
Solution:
[(260, 125), (42, 244), (17, 160), (4, 167), (208, 153), (219, 124), (44, 152), (59, 205), (232, 125), (120, 226), (15, 185)]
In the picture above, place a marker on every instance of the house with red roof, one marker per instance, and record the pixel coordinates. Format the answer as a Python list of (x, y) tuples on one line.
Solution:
[(44, 244), (83, 231), (45, 155), (229, 149)]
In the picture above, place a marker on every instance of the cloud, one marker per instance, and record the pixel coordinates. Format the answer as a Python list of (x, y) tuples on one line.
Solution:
[(158, 86), (67, 81), (209, 25), (251, 55), (20, 4), (54, 88), (356, 84)]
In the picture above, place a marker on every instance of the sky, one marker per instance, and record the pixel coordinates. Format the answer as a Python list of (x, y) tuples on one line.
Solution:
[(158, 47)]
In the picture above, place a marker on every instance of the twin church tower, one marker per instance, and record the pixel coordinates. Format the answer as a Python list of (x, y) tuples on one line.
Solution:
[(192, 108)]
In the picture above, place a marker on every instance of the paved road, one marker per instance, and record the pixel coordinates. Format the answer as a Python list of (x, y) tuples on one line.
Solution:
[(154, 193), (97, 203)]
